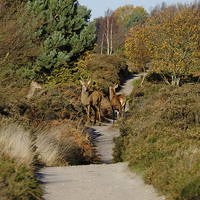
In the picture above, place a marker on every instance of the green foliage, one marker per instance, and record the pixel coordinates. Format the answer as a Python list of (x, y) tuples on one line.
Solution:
[(135, 19), (124, 13), (70, 73), (161, 138), (136, 82), (65, 33), (192, 190), (17, 182)]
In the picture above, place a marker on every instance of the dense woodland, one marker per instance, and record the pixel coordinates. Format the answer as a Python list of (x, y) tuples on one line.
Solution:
[(47, 46)]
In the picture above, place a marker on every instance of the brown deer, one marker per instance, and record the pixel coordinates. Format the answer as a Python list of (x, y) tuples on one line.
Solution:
[(91, 100), (34, 85), (117, 102)]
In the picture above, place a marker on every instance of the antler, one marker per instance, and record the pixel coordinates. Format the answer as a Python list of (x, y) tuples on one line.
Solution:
[(82, 78)]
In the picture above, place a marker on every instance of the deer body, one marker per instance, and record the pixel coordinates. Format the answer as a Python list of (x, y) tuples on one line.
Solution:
[(117, 102), (91, 100), (34, 85)]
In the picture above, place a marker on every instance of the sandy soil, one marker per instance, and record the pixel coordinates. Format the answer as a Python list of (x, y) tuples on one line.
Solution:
[(98, 182)]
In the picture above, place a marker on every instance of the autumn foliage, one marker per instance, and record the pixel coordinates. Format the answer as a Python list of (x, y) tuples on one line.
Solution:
[(168, 40), (124, 13)]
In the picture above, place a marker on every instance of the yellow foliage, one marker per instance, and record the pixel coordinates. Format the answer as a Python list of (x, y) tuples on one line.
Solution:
[(136, 47), (168, 40), (124, 13), (70, 72)]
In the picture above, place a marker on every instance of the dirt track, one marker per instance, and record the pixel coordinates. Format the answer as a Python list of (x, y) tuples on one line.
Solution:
[(98, 182)]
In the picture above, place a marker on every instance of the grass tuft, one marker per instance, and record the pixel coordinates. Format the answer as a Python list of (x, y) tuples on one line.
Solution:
[(16, 143)]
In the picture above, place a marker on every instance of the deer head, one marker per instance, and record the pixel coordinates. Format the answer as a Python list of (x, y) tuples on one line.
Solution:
[(90, 100), (85, 84)]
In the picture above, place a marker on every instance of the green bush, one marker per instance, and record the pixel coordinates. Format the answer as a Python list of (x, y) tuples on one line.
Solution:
[(17, 182), (192, 190)]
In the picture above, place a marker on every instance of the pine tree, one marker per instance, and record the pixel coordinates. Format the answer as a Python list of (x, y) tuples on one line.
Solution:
[(135, 19), (65, 32)]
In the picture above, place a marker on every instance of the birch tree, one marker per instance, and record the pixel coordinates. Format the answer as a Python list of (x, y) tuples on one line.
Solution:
[(110, 33)]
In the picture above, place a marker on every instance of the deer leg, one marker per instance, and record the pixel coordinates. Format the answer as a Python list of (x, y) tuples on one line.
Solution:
[(123, 112), (120, 112), (88, 114), (124, 109), (99, 110), (95, 117), (113, 115)]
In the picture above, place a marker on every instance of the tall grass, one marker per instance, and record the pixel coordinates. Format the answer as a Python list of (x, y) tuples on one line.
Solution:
[(16, 164), (16, 143), (54, 149)]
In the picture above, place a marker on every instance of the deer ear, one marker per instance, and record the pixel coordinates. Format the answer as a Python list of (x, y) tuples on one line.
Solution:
[(81, 82), (116, 86), (89, 82)]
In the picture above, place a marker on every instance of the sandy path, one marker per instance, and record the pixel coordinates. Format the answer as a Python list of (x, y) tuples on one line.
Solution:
[(98, 182)]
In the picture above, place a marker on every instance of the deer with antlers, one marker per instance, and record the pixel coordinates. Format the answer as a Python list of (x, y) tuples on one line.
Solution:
[(117, 102), (91, 100)]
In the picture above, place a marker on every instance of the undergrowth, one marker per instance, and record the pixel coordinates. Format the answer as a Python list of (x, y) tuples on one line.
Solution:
[(160, 139), (17, 181)]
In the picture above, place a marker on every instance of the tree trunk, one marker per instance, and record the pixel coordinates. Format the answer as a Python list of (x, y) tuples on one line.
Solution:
[(111, 37), (107, 37)]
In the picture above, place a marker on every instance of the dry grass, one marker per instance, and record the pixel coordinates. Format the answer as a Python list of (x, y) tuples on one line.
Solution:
[(61, 143), (52, 151), (16, 143), (53, 143)]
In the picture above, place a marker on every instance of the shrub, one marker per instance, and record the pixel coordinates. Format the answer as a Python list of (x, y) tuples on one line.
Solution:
[(107, 70), (161, 138), (17, 181)]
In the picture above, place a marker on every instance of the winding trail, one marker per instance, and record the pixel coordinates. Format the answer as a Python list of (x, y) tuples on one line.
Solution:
[(98, 182)]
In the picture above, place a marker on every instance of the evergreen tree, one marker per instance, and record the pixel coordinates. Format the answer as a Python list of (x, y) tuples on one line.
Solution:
[(65, 32), (135, 19)]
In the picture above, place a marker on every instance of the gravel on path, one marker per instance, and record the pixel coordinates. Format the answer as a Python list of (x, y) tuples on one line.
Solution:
[(95, 182)]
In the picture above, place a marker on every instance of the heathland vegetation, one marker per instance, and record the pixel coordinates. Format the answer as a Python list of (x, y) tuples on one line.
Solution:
[(160, 139), (46, 46)]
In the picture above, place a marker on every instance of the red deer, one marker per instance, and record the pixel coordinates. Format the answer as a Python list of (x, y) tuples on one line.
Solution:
[(91, 100), (117, 102), (34, 85)]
